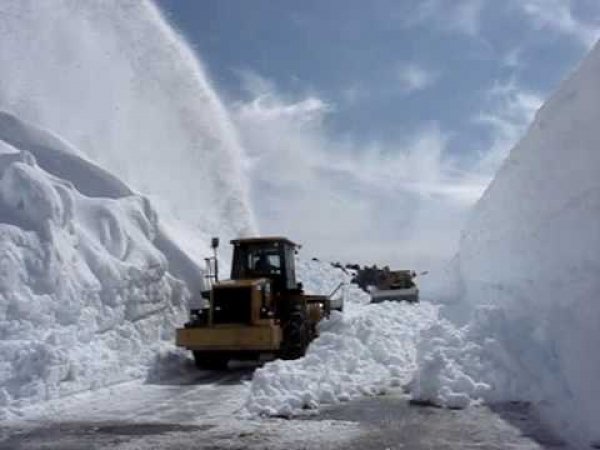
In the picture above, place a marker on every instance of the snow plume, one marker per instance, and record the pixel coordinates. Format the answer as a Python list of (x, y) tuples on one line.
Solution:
[(529, 267), (400, 204), (86, 298), (113, 79)]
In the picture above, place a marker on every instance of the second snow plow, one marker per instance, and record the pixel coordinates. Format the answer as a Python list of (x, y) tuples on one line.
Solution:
[(395, 285)]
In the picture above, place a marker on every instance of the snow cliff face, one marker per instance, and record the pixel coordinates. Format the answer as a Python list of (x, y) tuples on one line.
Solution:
[(114, 80), (529, 264), (86, 298), (532, 248)]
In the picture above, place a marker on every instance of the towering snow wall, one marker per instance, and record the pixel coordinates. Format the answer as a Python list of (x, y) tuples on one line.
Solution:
[(530, 263), (86, 297), (115, 81)]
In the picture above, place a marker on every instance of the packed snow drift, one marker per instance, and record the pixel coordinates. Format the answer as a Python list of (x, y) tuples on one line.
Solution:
[(528, 267), (364, 351), (86, 298)]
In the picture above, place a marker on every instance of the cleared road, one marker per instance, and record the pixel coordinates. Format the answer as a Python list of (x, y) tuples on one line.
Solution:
[(201, 411)]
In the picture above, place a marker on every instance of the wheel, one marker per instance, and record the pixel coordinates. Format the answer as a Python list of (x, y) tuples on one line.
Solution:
[(210, 361), (295, 336)]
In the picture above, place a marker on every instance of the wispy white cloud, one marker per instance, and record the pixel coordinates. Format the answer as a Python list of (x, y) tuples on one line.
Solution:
[(510, 110), (253, 84), (461, 16), (403, 78), (266, 105), (413, 77), (266, 109), (401, 202), (558, 16), (466, 16), (354, 93), (513, 58)]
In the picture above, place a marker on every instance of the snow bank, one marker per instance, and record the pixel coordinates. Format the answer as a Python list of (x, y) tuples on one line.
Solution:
[(529, 264), (85, 295), (364, 351)]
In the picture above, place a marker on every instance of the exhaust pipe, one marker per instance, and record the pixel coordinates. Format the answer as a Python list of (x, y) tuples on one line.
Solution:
[(214, 245)]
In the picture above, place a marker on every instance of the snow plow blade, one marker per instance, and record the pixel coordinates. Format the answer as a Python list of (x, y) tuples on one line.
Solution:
[(230, 337), (410, 295)]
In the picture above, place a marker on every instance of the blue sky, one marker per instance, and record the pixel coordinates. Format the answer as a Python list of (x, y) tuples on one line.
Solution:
[(395, 111)]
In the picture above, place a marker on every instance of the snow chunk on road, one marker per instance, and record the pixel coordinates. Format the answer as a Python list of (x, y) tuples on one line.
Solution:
[(362, 352), (451, 362)]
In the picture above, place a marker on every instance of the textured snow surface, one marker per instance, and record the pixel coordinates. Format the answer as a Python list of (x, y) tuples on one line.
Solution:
[(364, 351), (528, 266), (85, 296)]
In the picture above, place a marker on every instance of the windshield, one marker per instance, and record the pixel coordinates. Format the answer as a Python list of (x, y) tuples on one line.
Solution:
[(274, 260), (264, 261), (259, 260)]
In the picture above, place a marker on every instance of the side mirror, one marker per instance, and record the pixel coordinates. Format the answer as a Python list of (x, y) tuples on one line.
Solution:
[(215, 242), (299, 286)]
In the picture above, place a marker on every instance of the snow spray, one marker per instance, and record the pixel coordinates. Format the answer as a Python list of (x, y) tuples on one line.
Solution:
[(116, 81)]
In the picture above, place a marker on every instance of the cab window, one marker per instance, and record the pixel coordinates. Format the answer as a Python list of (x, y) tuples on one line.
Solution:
[(264, 261), (256, 260)]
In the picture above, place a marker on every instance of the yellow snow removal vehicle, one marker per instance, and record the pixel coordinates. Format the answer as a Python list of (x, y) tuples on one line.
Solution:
[(261, 312)]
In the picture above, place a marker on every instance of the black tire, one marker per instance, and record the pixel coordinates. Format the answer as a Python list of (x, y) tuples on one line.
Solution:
[(210, 361), (296, 336)]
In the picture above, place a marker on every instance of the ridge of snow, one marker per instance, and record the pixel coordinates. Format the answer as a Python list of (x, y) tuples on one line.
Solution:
[(60, 159)]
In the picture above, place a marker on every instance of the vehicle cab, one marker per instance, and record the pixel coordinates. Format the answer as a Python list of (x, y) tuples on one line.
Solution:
[(266, 257)]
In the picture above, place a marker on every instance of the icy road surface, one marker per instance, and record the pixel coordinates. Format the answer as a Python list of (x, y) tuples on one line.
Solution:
[(201, 411)]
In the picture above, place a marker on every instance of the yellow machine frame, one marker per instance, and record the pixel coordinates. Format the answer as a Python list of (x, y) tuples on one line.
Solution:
[(259, 334)]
